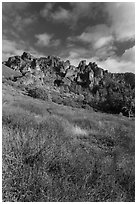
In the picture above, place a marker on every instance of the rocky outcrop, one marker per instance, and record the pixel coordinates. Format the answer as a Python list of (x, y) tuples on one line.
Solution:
[(53, 71), (14, 62), (90, 85), (86, 85), (27, 56)]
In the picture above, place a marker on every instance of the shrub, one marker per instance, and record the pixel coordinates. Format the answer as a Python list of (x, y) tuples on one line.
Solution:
[(38, 92), (57, 99)]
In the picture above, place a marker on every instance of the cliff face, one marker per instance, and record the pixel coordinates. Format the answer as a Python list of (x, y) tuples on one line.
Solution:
[(53, 70), (110, 90)]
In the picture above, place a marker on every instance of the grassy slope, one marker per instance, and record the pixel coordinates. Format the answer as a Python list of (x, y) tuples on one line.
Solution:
[(57, 153), (8, 72)]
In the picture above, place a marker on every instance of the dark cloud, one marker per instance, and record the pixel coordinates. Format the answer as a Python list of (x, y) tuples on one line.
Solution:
[(103, 32), (124, 45), (74, 13), (45, 12)]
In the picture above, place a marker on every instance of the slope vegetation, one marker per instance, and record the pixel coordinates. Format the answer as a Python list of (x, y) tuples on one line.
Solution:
[(55, 153)]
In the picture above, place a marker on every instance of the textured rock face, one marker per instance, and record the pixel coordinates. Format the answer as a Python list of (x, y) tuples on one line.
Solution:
[(66, 65), (51, 70), (82, 65), (27, 56), (85, 74), (70, 72), (98, 72), (85, 85), (14, 62), (66, 81)]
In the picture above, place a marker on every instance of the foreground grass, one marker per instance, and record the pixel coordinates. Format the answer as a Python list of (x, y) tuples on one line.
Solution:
[(67, 155)]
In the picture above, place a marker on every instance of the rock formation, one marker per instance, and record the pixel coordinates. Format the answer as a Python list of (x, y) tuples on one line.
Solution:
[(52, 70), (90, 85)]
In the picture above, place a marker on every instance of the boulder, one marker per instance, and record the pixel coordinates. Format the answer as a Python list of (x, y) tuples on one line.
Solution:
[(66, 65), (91, 79), (91, 75), (26, 80), (78, 79), (27, 56), (62, 70), (66, 81), (70, 73), (105, 72), (14, 62), (25, 69), (53, 61), (82, 65), (96, 80), (98, 72)]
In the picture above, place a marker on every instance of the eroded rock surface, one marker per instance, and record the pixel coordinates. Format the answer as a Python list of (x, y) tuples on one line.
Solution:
[(51, 70)]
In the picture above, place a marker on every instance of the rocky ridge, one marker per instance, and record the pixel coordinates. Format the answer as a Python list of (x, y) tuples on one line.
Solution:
[(88, 83), (53, 70)]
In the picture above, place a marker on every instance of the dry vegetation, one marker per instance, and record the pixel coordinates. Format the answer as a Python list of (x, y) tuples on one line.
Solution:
[(57, 153)]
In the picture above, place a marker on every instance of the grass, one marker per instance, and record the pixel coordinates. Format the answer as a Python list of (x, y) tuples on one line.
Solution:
[(9, 73), (79, 131), (33, 108), (69, 154)]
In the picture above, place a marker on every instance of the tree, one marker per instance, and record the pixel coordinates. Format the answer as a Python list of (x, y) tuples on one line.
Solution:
[(129, 106)]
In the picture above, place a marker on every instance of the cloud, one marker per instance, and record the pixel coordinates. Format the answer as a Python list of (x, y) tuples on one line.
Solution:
[(104, 52), (98, 40), (43, 39), (12, 48), (92, 38), (117, 65), (12, 7), (129, 55), (113, 63), (120, 16), (47, 9), (81, 10), (14, 15), (98, 35), (103, 41), (13, 33), (74, 12), (75, 55), (35, 53), (122, 19), (75, 58), (46, 40), (21, 22), (124, 63), (61, 14), (55, 43), (71, 16)]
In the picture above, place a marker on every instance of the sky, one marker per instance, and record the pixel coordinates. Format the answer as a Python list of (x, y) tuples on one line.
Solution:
[(101, 32)]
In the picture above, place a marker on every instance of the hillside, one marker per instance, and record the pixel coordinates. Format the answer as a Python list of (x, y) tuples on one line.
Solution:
[(56, 148), (68, 101), (8, 73)]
